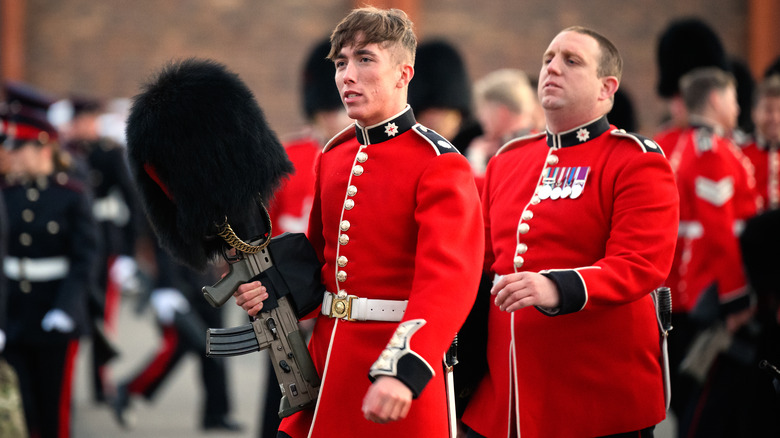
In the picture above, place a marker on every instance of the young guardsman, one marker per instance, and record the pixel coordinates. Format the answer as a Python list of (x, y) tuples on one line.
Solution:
[(396, 221), (581, 223)]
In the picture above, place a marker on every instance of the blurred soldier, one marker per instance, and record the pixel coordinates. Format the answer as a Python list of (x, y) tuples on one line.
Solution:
[(505, 108), (717, 194), (685, 44), (114, 208), (52, 252), (764, 149), (440, 92), (183, 317)]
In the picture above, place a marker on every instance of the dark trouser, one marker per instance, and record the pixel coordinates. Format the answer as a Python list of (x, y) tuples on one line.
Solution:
[(45, 373), (644, 433)]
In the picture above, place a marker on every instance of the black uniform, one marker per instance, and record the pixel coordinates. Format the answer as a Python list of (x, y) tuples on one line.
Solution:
[(103, 165), (52, 248)]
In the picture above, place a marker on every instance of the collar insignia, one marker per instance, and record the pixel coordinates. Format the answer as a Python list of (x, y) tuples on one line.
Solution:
[(391, 129), (583, 135)]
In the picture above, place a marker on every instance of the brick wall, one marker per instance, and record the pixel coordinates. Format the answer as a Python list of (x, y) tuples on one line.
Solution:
[(109, 47)]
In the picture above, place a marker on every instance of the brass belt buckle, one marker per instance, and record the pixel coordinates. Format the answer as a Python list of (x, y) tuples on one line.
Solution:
[(342, 307)]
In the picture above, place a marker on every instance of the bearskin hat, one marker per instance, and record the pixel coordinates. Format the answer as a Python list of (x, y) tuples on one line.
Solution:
[(440, 79), (202, 153), (319, 88), (686, 44)]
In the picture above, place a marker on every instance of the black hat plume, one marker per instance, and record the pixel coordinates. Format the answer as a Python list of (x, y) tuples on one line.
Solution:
[(202, 155)]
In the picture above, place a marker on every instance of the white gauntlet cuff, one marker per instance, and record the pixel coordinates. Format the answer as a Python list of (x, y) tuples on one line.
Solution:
[(399, 361)]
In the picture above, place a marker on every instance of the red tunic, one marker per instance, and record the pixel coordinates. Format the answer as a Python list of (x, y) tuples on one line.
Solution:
[(400, 218), (291, 205), (766, 165), (717, 193), (606, 238)]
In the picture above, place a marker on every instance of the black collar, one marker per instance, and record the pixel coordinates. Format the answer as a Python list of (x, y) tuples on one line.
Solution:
[(387, 129), (578, 135)]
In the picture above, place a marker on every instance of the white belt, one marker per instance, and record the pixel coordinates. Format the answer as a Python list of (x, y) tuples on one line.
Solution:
[(352, 308), (111, 208), (41, 269)]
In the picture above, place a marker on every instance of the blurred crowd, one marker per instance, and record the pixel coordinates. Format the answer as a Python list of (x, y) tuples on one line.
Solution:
[(75, 239)]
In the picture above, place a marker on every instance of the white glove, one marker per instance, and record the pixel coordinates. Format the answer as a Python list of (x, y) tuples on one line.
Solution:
[(166, 302), (2, 341), (56, 319), (123, 273)]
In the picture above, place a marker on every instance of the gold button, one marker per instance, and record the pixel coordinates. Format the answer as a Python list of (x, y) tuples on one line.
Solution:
[(362, 157), (349, 204), (352, 190), (53, 227), (344, 225), (33, 194), (523, 228), (535, 200), (25, 239), (25, 286), (341, 276), (527, 215), (552, 160), (357, 170), (519, 261), (343, 239), (522, 248), (342, 261), (340, 307), (28, 215)]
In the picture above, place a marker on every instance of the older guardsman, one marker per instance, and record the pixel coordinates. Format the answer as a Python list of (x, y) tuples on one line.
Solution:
[(581, 223), (396, 221), (52, 250)]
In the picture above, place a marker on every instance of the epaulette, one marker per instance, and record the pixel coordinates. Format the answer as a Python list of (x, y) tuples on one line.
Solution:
[(439, 143), (520, 141), (341, 137), (647, 144)]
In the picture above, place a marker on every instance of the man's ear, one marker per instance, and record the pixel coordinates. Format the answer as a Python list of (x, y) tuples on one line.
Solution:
[(406, 73), (609, 86)]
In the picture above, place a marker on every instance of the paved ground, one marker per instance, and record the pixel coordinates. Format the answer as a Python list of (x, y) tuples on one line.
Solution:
[(175, 411)]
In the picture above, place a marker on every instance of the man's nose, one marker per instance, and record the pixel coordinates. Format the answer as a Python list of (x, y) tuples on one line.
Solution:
[(349, 73)]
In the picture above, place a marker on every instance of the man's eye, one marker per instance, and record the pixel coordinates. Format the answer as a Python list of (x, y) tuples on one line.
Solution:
[(365, 59)]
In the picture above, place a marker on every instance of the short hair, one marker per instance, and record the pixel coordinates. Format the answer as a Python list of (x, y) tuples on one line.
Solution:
[(697, 84), (385, 27), (611, 63), (769, 87), (508, 87)]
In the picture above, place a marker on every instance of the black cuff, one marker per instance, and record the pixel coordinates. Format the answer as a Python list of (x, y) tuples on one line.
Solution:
[(411, 370), (571, 292)]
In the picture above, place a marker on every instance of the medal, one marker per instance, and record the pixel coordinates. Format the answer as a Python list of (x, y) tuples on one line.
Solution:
[(579, 181), (545, 189), (556, 191), (566, 191)]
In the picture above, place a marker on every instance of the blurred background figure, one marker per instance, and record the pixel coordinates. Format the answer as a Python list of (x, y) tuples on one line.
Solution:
[(103, 166), (52, 252), (711, 299), (440, 92), (183, 317), (685, 44), (763, 149), (290, 208), (505, 107)]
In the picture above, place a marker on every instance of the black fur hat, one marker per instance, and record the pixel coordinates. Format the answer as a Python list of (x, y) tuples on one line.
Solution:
[(319, 87), (686, 44), (201, 152), (440, 79)]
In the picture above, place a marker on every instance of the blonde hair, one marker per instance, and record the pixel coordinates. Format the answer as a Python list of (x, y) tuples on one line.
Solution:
[(508, 87)]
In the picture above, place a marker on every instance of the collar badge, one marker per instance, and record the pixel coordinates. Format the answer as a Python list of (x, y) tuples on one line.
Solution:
[(391, 129), (583, 135)]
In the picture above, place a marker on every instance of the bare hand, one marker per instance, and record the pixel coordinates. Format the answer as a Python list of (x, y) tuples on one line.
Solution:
[(250, 296), (522, 289), (387, 399)]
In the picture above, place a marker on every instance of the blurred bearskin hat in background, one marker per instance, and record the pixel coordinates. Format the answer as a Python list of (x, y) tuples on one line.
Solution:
[(319, 87), (440, 79), (622, 113), (202, 154), (746, 87), (686, 44)]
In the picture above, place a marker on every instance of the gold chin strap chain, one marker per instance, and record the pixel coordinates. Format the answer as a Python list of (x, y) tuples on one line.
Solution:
[(227, 233)]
